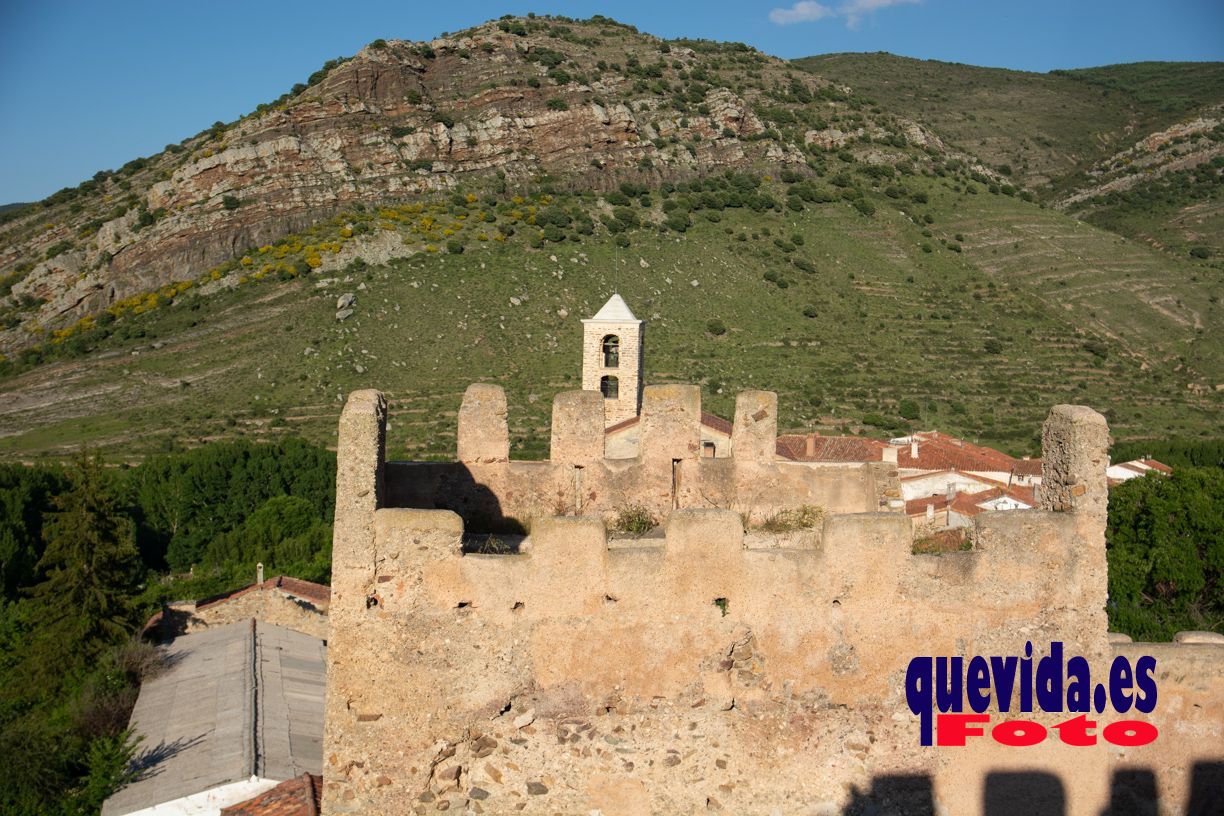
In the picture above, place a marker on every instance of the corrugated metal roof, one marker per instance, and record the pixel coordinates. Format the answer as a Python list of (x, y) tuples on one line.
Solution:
[(237, 701), (614, 311)]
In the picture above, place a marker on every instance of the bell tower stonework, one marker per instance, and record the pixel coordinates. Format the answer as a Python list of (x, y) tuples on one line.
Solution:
[(612, 359)]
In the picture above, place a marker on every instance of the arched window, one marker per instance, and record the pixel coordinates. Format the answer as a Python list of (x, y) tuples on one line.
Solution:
[(611, 351), (609, 387)]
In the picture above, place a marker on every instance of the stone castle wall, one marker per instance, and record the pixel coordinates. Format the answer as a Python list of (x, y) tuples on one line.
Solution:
[(492, 493), (694, 673)]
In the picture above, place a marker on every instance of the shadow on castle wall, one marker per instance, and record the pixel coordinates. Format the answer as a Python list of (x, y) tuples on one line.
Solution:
[(450, 486), (1133, 792)]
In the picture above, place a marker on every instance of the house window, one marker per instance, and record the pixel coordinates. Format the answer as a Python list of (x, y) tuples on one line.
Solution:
[(709, 450), (611, 351), (609, 387)]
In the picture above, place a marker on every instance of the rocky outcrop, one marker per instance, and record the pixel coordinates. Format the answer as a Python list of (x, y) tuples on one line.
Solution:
[(396, 121)]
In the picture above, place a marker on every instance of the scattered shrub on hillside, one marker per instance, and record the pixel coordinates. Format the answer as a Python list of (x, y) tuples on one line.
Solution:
[(230, 202), (58, 248), (993, 346), (716, 327), (1096, 348), (557, 104)]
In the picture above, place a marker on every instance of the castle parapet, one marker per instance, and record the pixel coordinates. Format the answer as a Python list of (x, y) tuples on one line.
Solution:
[(670, 424), (754, 435), (484, 434), (573, 669), (577, 428)]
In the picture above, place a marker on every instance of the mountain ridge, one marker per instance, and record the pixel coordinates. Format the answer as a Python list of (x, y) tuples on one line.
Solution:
[(854, 258)]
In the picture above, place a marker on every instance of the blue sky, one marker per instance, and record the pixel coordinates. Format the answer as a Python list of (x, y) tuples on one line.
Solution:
[(87, 85)]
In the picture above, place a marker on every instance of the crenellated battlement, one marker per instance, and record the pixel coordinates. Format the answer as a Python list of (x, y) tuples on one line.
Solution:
[(491, 492), (578, 670)]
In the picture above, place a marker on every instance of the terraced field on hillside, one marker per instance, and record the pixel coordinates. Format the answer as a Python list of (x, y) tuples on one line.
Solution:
[(1027, 309)]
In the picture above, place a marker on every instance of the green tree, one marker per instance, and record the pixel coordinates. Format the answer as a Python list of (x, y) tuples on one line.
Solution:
[(1165, 539), (91, 566)]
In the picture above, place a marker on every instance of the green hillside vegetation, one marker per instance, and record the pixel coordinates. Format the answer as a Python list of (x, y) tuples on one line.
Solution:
[(1182, 210), (1041, 126), (847, 288)]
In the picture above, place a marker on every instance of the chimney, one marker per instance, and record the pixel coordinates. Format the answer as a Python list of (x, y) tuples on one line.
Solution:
[(259, 573), (889, 454), (809, 449), (930, 512), (913, 448)]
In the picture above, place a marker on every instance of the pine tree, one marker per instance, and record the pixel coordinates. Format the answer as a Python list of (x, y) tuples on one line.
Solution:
[(91, 566)]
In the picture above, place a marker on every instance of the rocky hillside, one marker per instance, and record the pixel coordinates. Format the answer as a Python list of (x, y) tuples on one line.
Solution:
[(1137, 148), (424, 215), (583, 104)]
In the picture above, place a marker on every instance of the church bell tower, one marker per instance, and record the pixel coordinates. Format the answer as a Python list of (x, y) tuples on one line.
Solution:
[(612, 359)]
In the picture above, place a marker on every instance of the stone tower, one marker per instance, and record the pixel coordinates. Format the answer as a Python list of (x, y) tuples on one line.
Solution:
[(612, 359)]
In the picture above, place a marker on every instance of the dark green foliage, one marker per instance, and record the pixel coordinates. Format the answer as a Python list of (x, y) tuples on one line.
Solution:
[(187, 500), (557, 104), (58, 248), (1173, 452), (678, 220), (1097, 349), (90, 564), (454, 247), (230, 202), (908, 409), (1165, 539), (992, 346), (25, 493), (716, 327)]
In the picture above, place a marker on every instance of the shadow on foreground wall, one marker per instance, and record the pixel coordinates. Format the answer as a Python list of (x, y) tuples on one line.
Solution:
[(1133, 792), (449, 486)]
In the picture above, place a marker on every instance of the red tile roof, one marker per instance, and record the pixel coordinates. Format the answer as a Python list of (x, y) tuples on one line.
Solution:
[(307, 590), (938, 451), (300, 796), (967, 503), (817, 448), (716, 423), (1160, 466)]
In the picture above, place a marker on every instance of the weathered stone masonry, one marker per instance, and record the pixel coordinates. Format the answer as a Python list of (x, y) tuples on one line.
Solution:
[(693, 673)]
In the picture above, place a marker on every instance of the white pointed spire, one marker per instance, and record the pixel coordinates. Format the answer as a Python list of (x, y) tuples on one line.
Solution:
[(614, 311)]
